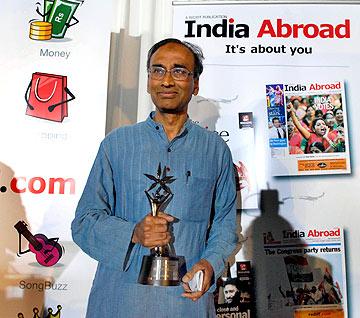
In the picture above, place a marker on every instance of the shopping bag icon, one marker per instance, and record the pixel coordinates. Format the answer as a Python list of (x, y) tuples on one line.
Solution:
[(47, 97)]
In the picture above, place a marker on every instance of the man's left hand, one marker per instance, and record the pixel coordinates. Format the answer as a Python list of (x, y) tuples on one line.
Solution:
[(204, 266)]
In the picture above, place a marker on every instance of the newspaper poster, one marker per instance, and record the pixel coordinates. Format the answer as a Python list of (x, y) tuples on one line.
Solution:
[(307, 128), (307, 275), (234, 296)]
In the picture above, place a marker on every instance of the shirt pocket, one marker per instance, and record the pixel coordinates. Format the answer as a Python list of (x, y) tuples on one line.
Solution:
[(195, 198)]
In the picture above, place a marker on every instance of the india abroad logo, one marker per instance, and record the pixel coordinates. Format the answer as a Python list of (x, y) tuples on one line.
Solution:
[(268, 238), (275, 28), (226, 28)]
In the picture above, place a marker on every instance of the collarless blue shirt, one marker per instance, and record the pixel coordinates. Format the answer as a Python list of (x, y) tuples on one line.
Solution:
[(113, 202)]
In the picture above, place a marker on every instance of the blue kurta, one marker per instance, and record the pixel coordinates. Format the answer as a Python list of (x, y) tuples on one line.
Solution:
[(113, 202)]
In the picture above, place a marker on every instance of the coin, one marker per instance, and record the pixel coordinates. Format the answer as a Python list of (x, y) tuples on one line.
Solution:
[(40, 30)]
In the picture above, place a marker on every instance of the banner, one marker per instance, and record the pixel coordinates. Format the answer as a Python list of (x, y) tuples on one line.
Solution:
[(53, 109), (271, 60), (251, 47)]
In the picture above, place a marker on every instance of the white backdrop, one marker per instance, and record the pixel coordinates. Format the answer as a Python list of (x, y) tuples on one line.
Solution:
[(36, 151), (32, 147), (316, 201)]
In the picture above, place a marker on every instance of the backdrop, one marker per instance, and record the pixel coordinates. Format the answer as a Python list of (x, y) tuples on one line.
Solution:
[(54, 65), (310, 51)]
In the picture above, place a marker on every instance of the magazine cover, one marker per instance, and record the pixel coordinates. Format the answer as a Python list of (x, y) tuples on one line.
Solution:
[(234, 297), (307, 274), (307, 128)]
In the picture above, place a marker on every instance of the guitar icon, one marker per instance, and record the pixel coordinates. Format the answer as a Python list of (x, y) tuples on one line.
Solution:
[(47, 251)]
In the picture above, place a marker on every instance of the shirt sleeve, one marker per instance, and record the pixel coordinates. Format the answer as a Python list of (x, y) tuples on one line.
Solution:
[(95, 228), (222, 238)]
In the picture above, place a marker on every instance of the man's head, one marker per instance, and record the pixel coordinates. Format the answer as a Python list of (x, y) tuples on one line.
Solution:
[(276, 122), (194, 49), (174, 68), (231, 292)]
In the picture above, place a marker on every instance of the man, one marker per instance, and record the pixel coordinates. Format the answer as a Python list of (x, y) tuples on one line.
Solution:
[(112, 222), (276, 131), (231, 293)]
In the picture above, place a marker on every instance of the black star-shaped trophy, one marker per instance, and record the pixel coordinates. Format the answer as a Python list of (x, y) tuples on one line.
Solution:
[(161, 267)]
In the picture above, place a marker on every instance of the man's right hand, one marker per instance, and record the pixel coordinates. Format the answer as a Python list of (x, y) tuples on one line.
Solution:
[(153, 231)]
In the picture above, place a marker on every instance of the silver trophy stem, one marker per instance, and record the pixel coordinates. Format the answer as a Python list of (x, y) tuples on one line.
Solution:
[(165, 250)]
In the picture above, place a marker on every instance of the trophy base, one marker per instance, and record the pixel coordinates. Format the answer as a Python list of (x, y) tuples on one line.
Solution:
[(159, 271)]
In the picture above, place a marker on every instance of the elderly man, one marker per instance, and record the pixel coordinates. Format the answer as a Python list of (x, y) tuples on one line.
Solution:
[(112, 222)]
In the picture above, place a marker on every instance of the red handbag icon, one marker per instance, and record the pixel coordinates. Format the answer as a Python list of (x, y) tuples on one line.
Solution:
[(46, 97)]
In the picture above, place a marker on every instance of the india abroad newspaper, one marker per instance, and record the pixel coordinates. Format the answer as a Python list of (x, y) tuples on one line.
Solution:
[(307, 128), (307, 274)]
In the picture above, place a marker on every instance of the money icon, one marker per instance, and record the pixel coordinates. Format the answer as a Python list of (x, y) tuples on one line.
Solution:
[(57, 17), (61, 14)]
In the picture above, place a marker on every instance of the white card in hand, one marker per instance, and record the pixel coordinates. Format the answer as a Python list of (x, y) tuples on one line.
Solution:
[(196, 283)]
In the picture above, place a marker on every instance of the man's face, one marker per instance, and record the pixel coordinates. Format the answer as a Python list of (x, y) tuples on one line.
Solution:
[(276, 123), (169, 95), (229, 293)]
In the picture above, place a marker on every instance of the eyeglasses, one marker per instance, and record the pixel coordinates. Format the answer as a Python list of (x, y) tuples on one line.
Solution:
[(177, 73)]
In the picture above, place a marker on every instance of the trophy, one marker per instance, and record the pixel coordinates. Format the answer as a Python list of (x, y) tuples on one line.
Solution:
[(162, 266)]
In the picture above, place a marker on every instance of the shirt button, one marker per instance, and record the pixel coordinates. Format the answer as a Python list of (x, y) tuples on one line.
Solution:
[(169, 150), (157, 128)]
